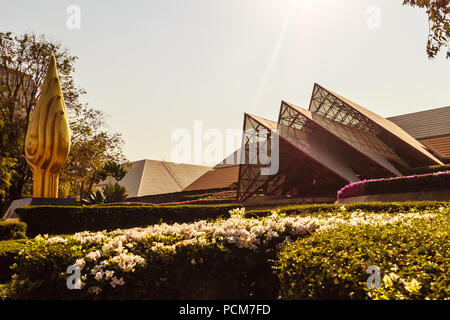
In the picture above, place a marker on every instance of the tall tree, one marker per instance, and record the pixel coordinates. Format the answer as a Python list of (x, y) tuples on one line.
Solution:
[(23, 65), (438, 12), (95, 153)]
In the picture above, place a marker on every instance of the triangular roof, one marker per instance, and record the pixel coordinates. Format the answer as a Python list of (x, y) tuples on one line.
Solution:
[(216, 178), (372, 121), (366, 145), (425, 124), (150, 177), (250, 179)]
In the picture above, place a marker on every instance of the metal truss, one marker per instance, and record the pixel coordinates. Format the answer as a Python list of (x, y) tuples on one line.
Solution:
[(326, 104)]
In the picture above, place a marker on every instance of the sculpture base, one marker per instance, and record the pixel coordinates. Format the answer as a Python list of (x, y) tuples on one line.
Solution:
[(11, 214)]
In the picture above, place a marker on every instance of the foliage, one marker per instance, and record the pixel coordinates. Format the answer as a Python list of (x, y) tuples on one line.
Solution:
[(66, 220), (429, 169), (414, 183), (9, 250), (233, 258), (114, 193), (6, 174), (23, 65), (92, 197), (12, 230), (412, 255), (438, 12), (113, 169), (95, 154), (376, 207)]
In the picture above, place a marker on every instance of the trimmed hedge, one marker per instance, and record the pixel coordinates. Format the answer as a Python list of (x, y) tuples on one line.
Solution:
[(211, 271), (430, 169), (387, 207), (413, 259), (235, 258), (415, 183), (8, 252), (67, 219), (10, 230)]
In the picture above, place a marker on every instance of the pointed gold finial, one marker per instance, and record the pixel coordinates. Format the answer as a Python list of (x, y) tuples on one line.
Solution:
[(47, 142)]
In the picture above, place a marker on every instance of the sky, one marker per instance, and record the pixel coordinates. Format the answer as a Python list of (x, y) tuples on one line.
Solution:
[(158, 66)]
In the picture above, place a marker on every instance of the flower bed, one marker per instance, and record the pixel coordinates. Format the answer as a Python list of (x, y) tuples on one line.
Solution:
[(411, 254), (414, 183), (223, 259)]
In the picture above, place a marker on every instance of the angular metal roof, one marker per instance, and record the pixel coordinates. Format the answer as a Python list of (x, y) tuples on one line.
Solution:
[(149, 177), (335, 142), (367, 146), (440, 146), (216, 178), (374, 122), (299, 164), (425, 124)]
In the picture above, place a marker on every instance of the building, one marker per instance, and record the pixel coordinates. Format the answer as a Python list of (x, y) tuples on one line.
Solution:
[(431, 128), (153, 177), (224, 175), (333, 143)]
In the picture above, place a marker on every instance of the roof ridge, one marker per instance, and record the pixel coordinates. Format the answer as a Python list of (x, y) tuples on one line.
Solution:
[(142, 176), (172, 175)]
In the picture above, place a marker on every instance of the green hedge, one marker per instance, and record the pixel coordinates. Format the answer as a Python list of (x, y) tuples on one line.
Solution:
[(219, 272), (12, 230), (388, 207), (181, 263), (430, 169), (8, 252), (67, 220), (333, 264)]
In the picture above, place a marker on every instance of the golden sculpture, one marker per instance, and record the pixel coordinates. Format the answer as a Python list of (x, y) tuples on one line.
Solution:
[(47, 142)]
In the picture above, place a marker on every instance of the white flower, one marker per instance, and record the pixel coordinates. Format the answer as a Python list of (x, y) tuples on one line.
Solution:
[(95, 290), (94, 255), (99, 276), (413, 286), (127, 262), (80, 263), (55, 240), (115, 282), (109, 274)]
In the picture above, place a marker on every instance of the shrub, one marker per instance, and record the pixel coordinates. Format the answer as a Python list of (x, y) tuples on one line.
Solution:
[(319, 209), (91, 197), (8, 251), (331, 264), (115, 192), (415, 183), (224, 259), (429, 169), (12, 230), (232, 258), (67, 219)]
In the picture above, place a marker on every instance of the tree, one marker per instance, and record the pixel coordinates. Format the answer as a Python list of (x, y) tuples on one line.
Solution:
[(438, 12), (114, 193), (95, 154), (23, 65)]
